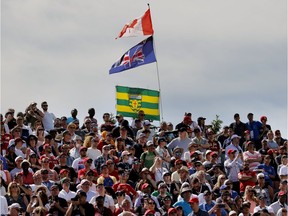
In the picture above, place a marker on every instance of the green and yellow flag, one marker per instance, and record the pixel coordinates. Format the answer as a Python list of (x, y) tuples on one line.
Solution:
[(131, 100)]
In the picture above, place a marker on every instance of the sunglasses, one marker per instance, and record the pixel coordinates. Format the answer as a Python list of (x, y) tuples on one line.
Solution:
[(119, 194), (15, 186), (151, 203), (84, 150)]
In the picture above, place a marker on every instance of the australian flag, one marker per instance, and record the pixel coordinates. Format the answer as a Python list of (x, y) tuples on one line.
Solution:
[(142, 53)]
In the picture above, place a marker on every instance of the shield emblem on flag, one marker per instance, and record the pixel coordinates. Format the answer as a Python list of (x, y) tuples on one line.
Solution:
[(135, 102)]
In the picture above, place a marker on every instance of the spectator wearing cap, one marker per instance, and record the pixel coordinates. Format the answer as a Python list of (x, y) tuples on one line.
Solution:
[(27, 175), (116, 130), (19, 147), (282, 151), (78, 163), (66, 193), (101, 192), (125, 136), (74, 152), (113, 171), (87, 167), (58, 206), (262, 205), (214, 145), (48, 152), (282, 187), (85, 185), (102, 158), (234, 145), (146, 128), (268, 170), (93, 152), (280, 203), (161, 193), (232, 168), (10, 156), (147, 157), (45, 178), (124, 160), (140, 144), (200, 140), (210, 206), (157, 169), (86, 128), (185, 193), (9, 118), (238, 127), (144, 194), (163, 152), (254, 127), (63, 167), (105, 178), (253, 157), (135, 171), (270, 140), (80, 206), (196, 210), (263, 189), (125, 185), (14, 209), (182, 141), (265, 127), (246, 177), (187, 122), (18, 168), (175, 177), (201, 125)]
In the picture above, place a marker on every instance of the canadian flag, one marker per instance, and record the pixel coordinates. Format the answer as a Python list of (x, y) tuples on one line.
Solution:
[(138, 27)]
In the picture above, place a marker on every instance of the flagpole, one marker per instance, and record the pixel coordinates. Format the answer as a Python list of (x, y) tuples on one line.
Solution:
[(157, 70)]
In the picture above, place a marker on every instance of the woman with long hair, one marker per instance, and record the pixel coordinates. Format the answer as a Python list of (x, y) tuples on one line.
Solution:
[(250, 196), (13, 196), (32, 141), (41, 138), (220, 182), (33, 160), (87, 141), (120, 146)]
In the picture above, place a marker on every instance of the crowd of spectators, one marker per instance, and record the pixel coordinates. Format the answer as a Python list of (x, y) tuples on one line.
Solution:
[(57, 166)]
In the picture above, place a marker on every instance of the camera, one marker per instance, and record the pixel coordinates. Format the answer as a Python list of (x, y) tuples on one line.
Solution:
[(76, 198), (221, 205)]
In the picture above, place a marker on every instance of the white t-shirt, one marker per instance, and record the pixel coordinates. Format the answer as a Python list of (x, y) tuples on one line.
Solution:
[(283, 171), (67, 196), (48, 121), (258, 208), (108, 200), (4, 205), (78, 164), (93, 153)]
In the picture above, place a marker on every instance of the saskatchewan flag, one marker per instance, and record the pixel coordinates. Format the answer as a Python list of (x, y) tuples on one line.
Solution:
[(131, 100)]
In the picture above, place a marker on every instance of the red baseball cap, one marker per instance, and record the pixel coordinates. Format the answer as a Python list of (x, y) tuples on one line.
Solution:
[(46, 146), (215, 153), (82, 147), (172, 210), (194, 200), (149, 212), (231, 151), (281, 193), (178, 161), (145, 185), (64, 171)]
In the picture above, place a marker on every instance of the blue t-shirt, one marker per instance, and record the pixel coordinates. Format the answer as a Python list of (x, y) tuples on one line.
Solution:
[(185, 206), (207, 207)]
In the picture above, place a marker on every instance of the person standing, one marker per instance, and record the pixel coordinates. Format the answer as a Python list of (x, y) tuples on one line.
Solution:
[(48, 118)]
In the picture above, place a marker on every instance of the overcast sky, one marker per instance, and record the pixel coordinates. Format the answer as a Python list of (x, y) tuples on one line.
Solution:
[(214, 57)]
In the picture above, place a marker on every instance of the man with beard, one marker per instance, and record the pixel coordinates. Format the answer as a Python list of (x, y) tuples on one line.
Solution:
[(246, 177)]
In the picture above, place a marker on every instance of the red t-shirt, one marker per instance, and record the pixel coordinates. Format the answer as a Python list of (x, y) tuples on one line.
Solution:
[(5, 141), (28, 179), (243, 184)]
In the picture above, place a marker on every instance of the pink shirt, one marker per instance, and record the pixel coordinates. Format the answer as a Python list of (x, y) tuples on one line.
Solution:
[(249, 155)]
